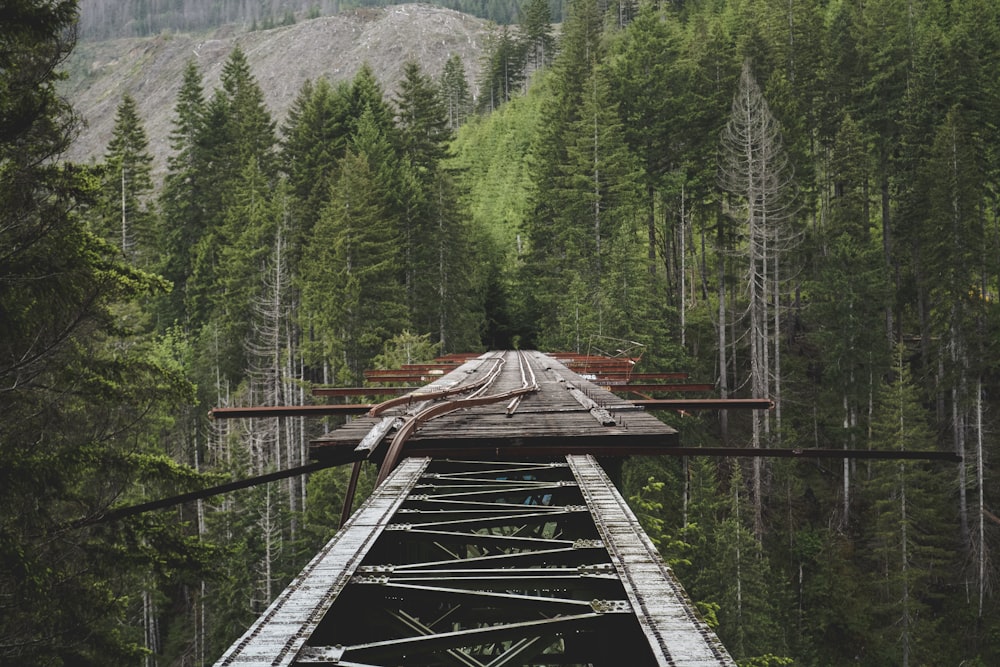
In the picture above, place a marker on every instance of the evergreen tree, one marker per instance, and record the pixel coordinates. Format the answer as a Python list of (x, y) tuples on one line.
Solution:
[(350, 290), (438, 287), (367, 93), (645, 83), (536, 34), (850, 293), (127, 183), (315, 136), (503, 70), (908, 547), (244, 246), (422, 121), (183, 215), (455, 91), (250, 123), (237, 131), (75, 374)]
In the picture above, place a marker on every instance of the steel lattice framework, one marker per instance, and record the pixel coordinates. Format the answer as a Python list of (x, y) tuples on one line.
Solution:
[(483, 564)]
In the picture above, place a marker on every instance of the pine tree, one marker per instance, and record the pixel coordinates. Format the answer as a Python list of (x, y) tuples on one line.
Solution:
[(455, 91), (535, 32), (503, 70), (367, 93), (237, 131), (350, 293), (315, 136), (850, 291), (645, 83), (422, 121), (127, 183), (599, 180), (438, 287), (908, 539), (250, 123), (183, 217), (75, 375)]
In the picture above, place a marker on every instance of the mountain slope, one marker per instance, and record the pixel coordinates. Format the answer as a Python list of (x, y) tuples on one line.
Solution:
[(150, 69)]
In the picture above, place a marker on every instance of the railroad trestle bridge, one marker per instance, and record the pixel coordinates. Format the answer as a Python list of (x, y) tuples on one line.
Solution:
[(494, 537)]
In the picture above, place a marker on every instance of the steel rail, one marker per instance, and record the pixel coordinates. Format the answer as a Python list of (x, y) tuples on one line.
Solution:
[(476, 398), (524, 365), (378, 409), (411, 422), (377, 433)]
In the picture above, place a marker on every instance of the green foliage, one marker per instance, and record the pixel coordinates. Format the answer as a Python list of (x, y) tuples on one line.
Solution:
[(127, 185), (83, 389), (407, 348), (455, 92), (584, 208), (766, 661)]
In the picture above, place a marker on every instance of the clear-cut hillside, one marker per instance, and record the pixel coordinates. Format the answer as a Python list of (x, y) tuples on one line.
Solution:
[(150, 69)]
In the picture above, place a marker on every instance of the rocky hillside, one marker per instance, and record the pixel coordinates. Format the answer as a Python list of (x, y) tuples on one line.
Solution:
[(150, 69)]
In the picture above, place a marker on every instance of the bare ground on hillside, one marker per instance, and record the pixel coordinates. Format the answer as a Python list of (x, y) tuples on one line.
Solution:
[(282, 59)]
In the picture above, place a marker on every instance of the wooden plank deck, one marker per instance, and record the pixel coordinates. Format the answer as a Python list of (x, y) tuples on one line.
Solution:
[(545, 422)]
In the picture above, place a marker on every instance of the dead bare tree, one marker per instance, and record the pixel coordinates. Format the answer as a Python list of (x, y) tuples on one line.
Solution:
[(755, 171)]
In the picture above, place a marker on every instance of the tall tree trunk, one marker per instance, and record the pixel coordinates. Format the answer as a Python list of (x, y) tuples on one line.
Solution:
[(683, 288), (981, 541), (723, 367), (905, 568)]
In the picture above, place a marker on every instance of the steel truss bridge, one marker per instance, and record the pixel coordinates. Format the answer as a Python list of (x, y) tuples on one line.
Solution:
[(494, 536)]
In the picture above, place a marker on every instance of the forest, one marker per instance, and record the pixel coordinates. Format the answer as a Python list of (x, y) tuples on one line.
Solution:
[(104, 19), (795, 200)]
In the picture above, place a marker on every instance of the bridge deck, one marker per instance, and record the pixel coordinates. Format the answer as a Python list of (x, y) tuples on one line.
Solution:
[(567, 414)]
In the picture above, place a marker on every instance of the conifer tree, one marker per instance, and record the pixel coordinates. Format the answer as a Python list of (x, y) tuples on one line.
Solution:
[(351, 293), (315, 135), (250, 123), (502, 71), (909, 544), (850, 294), (237, 131), (422, 121), (183, 215), (127, 183), (367, 93), (74, 376), (536, 33), (455, 91), (645, 81)]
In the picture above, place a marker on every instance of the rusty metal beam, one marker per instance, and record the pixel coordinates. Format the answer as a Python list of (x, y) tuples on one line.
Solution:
[(817, 453), (705, 403), (629, 375), (362, 391), (400, 376), (289, 411), (163, 503), (636, 388)]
